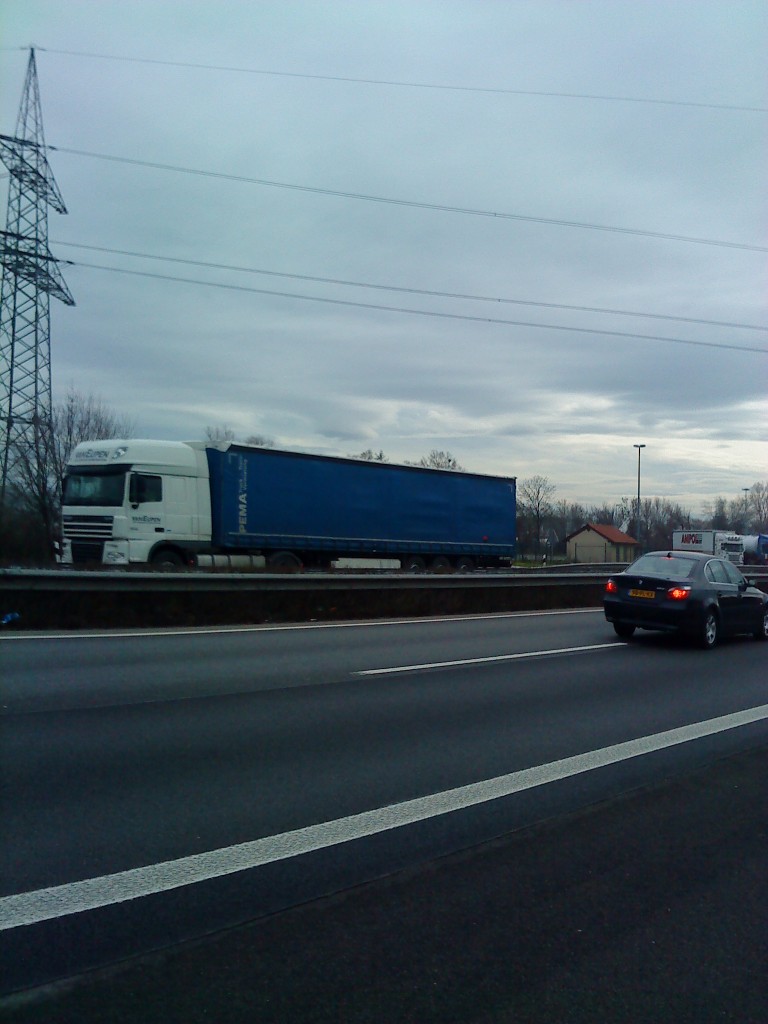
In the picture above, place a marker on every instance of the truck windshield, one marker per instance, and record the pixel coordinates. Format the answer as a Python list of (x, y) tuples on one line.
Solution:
[(94, 486)]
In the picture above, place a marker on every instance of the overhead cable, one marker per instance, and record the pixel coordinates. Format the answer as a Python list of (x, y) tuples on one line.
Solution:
[(413, 204), (429, 313), (496, 90), (412, 291)]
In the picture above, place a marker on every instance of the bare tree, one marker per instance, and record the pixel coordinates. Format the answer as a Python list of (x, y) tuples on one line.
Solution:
[(602, 515), (220, 434), (749, 514), (37, 491), (758, 500), (716, 514), (84, 418), (535, 496), (739, 515), (438, 460), (371, 456), (659, 519)]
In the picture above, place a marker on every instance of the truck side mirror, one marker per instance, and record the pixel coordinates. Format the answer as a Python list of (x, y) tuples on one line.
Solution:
[(133, 490)]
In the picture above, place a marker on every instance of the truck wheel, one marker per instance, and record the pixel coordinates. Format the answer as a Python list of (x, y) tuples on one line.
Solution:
[(167, 559), (284, 561), (465, 564), (412, 563), (710, 630)]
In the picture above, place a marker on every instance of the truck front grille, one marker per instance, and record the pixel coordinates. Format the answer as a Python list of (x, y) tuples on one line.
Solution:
[(77, 528)]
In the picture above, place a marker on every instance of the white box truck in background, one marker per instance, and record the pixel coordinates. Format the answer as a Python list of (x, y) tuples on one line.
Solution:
[(711, 542)]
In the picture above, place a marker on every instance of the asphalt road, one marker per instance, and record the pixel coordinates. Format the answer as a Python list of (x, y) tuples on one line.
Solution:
[(199, 781)]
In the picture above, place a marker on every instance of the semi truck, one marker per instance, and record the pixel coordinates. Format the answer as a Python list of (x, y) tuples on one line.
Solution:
[(174, 504), (712, 542)]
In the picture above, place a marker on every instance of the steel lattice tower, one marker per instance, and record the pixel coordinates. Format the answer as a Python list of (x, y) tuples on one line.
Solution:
[(30, 277)]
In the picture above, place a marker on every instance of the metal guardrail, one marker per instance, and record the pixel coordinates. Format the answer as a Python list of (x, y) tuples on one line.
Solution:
[(73, 579), (71, 599), (62, 599)]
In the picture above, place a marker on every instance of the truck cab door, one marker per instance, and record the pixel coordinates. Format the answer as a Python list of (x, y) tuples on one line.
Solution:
[(145, 496)]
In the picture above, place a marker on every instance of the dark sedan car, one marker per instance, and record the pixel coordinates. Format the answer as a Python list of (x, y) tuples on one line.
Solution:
[(685, 592)]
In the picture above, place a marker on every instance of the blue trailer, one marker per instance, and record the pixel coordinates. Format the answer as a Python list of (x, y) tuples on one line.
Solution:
[(318, 509)]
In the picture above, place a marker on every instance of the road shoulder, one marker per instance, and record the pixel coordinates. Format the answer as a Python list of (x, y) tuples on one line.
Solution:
[(648, 907)]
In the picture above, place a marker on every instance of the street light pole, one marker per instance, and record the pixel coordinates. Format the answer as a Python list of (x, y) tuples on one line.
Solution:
[(746, 507), (637, 518)]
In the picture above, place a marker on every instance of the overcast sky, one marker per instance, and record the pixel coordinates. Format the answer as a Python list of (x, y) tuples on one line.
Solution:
[(508, 134)]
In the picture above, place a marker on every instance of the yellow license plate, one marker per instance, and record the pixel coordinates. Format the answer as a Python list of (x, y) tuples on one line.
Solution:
[(643, 593)]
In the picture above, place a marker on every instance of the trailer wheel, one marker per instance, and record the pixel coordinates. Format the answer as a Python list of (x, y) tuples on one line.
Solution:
[(465, 564), (412, 563), (440, 564), (284, 561)]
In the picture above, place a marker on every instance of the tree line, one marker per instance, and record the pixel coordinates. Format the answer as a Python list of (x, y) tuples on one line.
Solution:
[(30, 514), (544, 522)]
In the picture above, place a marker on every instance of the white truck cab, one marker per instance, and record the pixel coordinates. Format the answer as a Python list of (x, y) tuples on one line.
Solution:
[(135, 501)]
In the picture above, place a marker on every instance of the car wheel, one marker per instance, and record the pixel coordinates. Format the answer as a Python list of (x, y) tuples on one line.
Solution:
[(624, 630), (709, 630), (761, 633)]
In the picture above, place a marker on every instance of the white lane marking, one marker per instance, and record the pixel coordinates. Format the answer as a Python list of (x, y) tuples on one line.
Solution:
[(613, 645), (75, 897), (283, 627)]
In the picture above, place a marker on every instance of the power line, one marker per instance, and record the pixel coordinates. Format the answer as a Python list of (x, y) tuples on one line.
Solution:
[(412, 291), (414, 204), (426, 312), (412, 85)]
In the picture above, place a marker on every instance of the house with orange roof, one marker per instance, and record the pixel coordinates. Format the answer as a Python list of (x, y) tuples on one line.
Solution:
[(596, 542)]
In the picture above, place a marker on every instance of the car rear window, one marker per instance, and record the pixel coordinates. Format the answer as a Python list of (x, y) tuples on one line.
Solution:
[(670, 567)]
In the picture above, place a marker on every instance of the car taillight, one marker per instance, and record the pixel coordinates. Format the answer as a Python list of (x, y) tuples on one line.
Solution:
[(611, 587), (678, 593)]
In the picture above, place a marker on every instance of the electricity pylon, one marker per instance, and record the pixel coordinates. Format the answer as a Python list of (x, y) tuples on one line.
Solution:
[(30, 277)]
